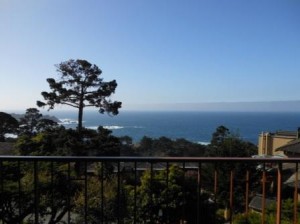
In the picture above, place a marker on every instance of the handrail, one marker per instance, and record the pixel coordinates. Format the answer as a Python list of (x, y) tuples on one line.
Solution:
[(150, 159)]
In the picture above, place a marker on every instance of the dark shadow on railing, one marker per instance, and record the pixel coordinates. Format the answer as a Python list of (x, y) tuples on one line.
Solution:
[(146, 190)]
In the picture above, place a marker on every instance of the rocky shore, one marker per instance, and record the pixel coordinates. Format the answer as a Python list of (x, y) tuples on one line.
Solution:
[(53, 118)]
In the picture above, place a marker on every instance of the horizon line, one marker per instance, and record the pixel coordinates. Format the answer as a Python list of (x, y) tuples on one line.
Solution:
[(242, 106)]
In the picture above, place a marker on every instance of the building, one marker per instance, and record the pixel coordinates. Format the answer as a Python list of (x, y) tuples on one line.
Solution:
[(256, 204), (291, 149), (269, 143)]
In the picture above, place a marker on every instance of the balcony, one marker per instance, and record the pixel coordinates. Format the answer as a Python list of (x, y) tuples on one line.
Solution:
[(147, 190)]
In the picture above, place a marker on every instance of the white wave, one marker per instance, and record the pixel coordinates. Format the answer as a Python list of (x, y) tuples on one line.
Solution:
[(9, 135), (113, 127), (110, 127), (203, 143), (93, 127), (67, 121)]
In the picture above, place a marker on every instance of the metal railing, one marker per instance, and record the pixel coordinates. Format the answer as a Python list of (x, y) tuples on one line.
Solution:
[(49, 189)]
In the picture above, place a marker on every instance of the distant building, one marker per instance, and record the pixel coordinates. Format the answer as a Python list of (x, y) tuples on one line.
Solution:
[(256, 204), (270, 143), (291, 149)]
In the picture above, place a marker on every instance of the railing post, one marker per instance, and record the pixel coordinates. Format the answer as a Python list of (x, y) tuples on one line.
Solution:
[(215, 188), (151, 193), (247, 193), (85, 193), (296, 196), (36, 196), (279, 187), (168, 197), (19, 189), (215, 183), (184, 193), (231, 195), (119, 193), (135, 191), (68, 194), (263, 200), (102, 192), (1, 189), (199, 185), (52, 187)]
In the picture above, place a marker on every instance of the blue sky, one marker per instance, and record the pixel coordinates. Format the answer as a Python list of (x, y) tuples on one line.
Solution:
[(159, 51)]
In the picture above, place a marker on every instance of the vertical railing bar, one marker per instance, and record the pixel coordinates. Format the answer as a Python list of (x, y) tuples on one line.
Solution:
[(102, 192), (215, 187), (184, 193), (135, 188), (119, 194), (263, 202), (52, 188), (2, 178), (247, 192), (2, 188), (168, 197), (19, 190), (279, 188), (215, 182), (68, 195), (36, 201), (296, 196), (199, 185), (231, 195), (85, 193), (151, 192)]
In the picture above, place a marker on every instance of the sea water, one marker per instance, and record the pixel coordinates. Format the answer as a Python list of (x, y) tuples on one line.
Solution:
[(193, 126)]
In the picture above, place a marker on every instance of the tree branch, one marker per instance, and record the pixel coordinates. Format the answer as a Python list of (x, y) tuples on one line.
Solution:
[(69, 104)]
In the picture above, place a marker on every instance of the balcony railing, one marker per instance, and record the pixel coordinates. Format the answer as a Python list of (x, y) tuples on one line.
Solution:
[(146, 190)]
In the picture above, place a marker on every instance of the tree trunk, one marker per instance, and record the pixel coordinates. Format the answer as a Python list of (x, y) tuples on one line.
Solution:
[(80, 116), (80, 111)]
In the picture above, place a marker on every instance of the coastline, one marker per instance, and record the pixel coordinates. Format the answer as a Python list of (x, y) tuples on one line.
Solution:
[(192, 125)]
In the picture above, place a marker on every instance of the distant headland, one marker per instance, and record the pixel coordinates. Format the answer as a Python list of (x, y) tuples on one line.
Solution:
[(19, 116)]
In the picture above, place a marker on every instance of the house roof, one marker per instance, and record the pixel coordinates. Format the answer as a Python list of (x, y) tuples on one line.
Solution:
[(291, 180), (287, 133), (256, 202), (292, 146)]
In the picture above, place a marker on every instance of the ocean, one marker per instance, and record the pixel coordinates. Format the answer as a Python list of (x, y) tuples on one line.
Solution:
[(193, 126)]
